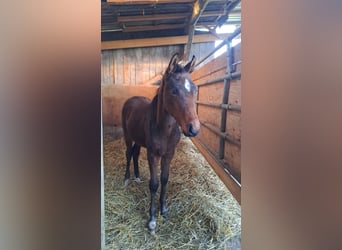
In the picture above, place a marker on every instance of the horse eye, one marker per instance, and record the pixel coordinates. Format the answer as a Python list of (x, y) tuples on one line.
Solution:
[(177, 77), (175, 91)]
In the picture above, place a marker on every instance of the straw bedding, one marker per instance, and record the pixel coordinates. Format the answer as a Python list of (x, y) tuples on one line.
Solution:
[(202, 212)]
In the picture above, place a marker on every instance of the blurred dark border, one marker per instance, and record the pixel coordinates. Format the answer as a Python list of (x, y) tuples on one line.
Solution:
[(291, 121), (50, 125)]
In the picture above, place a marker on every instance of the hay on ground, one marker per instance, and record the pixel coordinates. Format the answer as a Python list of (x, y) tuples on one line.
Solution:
[(202, 212)]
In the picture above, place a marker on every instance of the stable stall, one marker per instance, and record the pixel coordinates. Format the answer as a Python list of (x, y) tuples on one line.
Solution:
[(204, 189)]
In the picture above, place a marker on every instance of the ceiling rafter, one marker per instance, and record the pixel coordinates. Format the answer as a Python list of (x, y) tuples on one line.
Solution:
[(148, 1), (153, 17), (135, 19), (152, 27)]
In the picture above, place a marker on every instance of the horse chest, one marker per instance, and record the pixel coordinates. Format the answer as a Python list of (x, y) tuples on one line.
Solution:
[(163, 142)]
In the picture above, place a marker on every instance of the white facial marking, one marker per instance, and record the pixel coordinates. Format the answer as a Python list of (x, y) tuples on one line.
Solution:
[(187, 85)]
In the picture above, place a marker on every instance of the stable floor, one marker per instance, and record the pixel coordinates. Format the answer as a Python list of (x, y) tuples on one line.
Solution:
[(202, 212)]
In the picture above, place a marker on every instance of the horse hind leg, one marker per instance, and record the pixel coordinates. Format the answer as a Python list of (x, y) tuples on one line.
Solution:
[(129, 152), (136, 152)]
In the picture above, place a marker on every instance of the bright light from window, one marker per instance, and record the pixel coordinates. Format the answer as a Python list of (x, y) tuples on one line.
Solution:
[(224, 30)]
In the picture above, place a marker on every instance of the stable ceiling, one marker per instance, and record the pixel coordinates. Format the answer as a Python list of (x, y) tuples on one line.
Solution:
[(129, 19)]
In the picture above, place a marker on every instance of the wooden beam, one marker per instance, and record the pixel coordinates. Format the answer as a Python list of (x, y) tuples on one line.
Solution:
[(153, 27), (213, 13), (233, 22), (203, 24), (216, 165), (161, 41), (148, 1), (199, 7), (122, 19)]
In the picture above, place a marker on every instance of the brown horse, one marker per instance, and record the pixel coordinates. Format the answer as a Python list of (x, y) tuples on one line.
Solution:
[(154, 125)]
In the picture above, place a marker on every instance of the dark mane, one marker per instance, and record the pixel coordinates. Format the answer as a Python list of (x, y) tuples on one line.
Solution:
[(153, 107)]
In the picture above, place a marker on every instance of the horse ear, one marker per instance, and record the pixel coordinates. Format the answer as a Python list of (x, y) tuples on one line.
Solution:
[(191, 65), (173, 63)]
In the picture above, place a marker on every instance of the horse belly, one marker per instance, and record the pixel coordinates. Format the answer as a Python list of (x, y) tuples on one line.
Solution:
[(134, 112), (137, 132)]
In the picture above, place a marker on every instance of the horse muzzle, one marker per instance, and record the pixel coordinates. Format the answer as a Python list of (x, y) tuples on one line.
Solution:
[(191, 131)]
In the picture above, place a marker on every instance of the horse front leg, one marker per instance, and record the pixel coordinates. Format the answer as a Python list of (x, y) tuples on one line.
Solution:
[(153, 164), (164, 177)]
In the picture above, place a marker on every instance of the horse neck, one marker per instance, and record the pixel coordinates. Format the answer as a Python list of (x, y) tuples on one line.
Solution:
[(165, 119)]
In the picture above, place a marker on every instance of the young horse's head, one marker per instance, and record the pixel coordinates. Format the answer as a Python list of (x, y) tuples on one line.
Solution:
[(177, 96)]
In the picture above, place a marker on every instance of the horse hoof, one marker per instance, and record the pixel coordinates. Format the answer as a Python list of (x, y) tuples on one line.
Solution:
[(138, 180), (164, 214), (152, 226), (126, 182)]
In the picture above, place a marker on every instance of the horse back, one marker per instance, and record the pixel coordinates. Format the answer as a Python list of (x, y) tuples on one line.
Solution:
[(134, 117)]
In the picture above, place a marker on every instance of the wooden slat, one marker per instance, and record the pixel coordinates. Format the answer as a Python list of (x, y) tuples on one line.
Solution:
[(209, 115), (230, 183), (152, 17), (235, 92), (139, 66), (153, 27), (148, 1), (161, 41), (153, 61), (159, 63), (114, 96), (105, 67), (111, 68), (213, 13), (219, 63), (145, 61), (210, 139), (133, 69), (232, 157), (221, 135), (234, 125), (119, 66), (214, 74), (126, 69)]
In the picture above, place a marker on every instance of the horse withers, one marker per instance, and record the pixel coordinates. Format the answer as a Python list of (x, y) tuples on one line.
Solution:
[(155, 125)]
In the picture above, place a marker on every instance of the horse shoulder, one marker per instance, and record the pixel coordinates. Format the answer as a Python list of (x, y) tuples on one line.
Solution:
[(175, 136)]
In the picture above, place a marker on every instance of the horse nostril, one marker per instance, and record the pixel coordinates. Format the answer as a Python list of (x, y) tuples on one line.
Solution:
[(191, 131)]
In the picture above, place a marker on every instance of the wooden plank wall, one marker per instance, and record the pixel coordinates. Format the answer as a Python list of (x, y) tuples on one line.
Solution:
[(134, 66), (123, 71), (213, 94), (137, 65), (114, 96)]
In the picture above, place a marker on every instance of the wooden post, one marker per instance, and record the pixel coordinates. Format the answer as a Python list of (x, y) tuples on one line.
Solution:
[(225, 98), (198, 8)]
